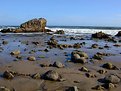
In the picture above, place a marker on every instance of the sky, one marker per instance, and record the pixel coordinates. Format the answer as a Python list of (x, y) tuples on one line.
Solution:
[(62, 12)]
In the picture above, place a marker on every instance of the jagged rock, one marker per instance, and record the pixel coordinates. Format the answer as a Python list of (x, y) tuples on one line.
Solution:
[(74, 88), (100, 35), (112, 79), (8, 75), (36, 76), (110, 66), (34, 25), (102, 71), (94, 45), (84, 69), (52, 75), (2, 88), (58, 64), (31, 58), (59, 32), (16, 52), (118, 34)]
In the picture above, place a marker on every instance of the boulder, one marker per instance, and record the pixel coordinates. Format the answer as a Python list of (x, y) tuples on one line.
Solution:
[(34, 25), (112, 79), (31, 58), (77, 45), (8, 75), (118, 34), (84, 69), (79, 57), (16, 52), (94, 45), (100, 35), (52, 75), (59, 32), (110, 66), (58, 64), (80, 53), (98, 57)]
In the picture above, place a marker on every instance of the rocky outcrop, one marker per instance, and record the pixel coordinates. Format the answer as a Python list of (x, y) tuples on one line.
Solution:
[(34, 25), (118, 34), (100, 35)]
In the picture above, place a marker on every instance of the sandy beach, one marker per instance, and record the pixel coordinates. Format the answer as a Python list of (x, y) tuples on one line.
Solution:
[(36, 45)]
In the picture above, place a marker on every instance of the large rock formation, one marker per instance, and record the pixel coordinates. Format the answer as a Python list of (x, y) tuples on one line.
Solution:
[(34, 25)]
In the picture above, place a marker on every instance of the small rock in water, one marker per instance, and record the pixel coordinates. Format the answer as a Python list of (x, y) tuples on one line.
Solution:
[(98, 57), (94, 45), (77, 45), (58, 64), (31, 58), (16, 52)]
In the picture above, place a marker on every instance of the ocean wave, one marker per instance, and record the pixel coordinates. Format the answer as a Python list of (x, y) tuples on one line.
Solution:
[(75, 30), (72, 31)]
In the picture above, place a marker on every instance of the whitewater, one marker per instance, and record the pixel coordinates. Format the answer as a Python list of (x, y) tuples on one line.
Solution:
[(77, 30)]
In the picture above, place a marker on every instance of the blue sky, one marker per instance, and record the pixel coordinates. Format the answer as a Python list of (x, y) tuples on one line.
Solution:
[(62, 12)]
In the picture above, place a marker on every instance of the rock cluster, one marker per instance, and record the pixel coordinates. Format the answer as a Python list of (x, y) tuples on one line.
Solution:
[(59, 32), (79, 57), (100, 35)]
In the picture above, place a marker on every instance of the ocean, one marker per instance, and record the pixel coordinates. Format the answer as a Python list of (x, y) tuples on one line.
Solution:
[(77, 30)]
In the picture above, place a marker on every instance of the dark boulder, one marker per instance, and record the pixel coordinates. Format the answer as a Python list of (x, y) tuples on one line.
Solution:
[(118, 34), (100, 35), (59, 32)]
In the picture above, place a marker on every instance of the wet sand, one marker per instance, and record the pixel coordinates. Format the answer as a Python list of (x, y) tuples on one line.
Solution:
[(71, 72)]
